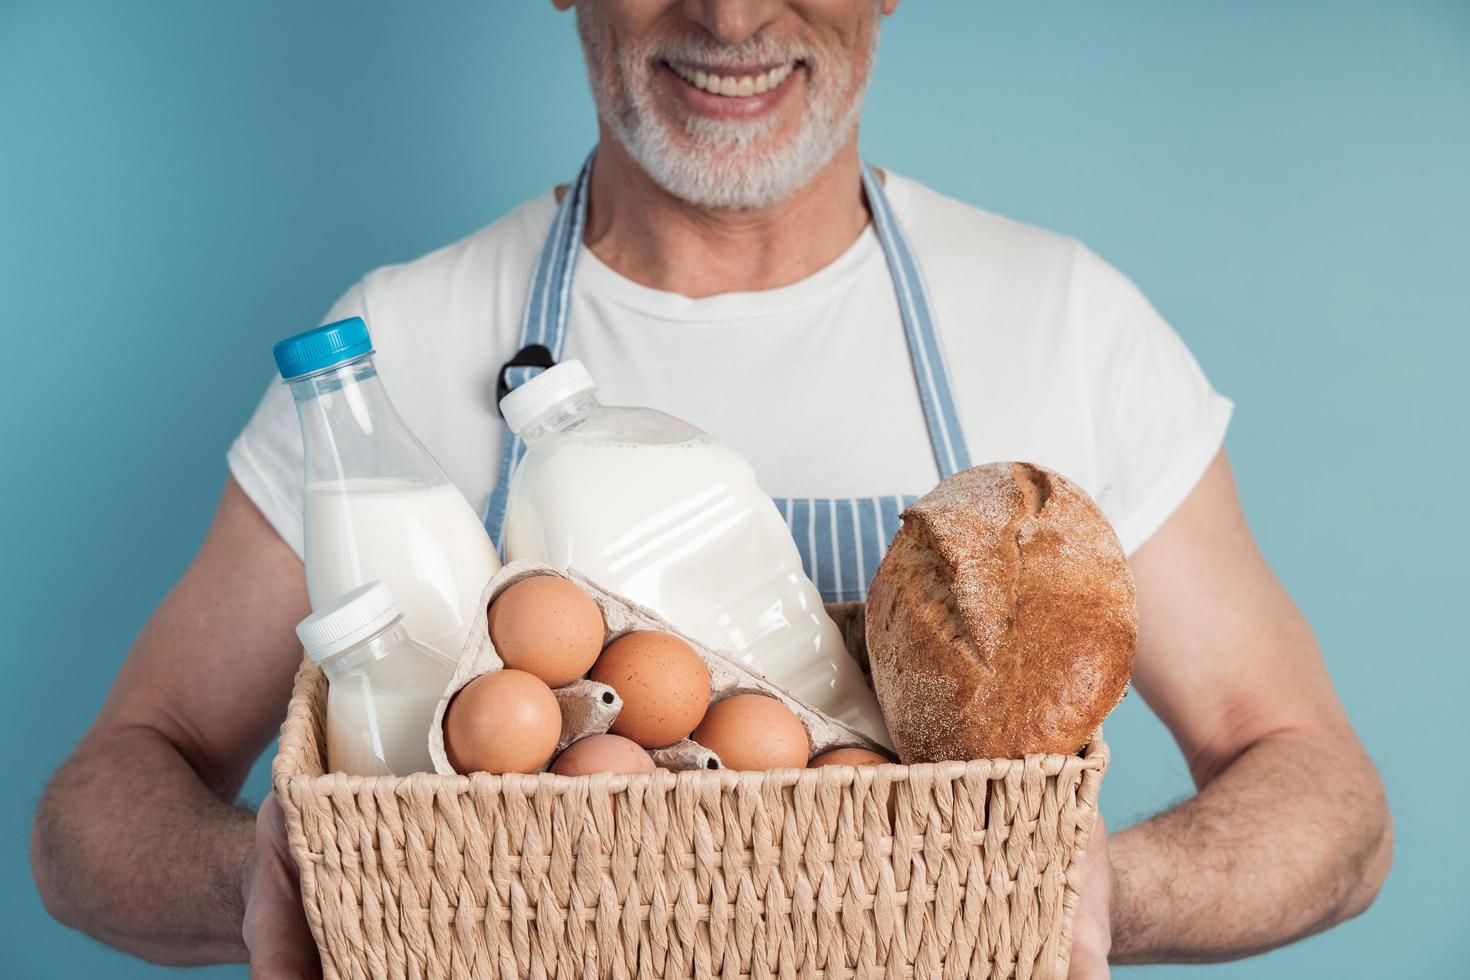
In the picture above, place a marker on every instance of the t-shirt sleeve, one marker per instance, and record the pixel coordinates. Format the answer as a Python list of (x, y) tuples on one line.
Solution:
[(266, 457), (1158, 421)]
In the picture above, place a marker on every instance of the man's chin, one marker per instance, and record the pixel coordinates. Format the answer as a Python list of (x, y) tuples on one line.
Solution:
[(728, 177), (733, 158)]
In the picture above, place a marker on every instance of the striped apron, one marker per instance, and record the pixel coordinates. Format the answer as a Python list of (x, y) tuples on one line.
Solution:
[(841, 540)]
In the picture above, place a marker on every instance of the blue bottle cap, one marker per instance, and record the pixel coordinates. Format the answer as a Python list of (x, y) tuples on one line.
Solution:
[(321, 348)]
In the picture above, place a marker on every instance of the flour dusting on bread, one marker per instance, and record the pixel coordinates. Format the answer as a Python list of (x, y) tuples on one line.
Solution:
[(1002, 620)]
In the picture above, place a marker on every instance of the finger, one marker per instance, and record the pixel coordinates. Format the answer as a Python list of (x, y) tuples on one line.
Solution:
[(1092, 926), (1088, 965), (281, 947), (283, 966)]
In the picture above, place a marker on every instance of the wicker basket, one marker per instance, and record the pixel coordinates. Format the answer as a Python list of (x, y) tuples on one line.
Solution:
[(959, 869)]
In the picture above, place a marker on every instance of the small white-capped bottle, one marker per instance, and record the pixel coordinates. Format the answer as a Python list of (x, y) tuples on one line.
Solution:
[(383, 687)]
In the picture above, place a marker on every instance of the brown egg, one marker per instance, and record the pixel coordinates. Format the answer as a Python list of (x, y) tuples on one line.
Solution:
[(602, 753), (849, 757), (548, 627), (752, 732), (504, 721), (663, 683)]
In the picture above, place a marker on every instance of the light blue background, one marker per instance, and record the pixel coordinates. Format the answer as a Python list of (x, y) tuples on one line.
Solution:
[(183, 183)]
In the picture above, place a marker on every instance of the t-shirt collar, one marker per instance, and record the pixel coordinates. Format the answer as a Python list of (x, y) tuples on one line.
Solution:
[(597, 278)]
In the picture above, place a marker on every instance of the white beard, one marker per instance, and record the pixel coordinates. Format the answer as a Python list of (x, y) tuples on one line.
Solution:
[(720, 165)]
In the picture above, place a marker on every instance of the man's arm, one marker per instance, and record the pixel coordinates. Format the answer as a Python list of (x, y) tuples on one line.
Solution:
[(137, 841), (1290, 831)]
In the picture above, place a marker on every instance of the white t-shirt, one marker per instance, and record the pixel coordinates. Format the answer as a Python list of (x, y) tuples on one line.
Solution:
[(1055, 358)]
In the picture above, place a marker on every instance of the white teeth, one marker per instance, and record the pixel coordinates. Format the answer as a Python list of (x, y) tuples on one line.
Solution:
[(734, 86)]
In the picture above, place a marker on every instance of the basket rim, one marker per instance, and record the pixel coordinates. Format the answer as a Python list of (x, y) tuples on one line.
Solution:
[(288, 770)]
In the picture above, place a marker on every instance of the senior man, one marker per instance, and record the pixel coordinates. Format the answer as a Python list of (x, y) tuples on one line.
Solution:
[(855, 335)]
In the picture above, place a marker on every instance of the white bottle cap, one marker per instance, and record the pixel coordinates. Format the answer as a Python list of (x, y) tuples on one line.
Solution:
[(347, 620), (536, 397)]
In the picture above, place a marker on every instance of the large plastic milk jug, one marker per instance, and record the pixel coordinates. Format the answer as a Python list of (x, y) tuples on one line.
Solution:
[(657, 511)]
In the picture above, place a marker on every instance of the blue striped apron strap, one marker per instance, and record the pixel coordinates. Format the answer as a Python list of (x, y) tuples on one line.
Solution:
[(548, 303), (842, 540), (931, 372)]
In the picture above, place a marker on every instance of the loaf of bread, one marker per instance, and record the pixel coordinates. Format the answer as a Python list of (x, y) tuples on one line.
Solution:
[(1002, 621)]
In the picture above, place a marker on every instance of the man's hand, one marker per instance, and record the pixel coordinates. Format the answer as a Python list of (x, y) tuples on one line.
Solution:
[(276, 933), (1092, 929)]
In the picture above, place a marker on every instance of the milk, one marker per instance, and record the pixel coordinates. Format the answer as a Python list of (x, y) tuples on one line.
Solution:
[(424, 542), (377, 504), (380, 732), (660, 513), (382, 686)]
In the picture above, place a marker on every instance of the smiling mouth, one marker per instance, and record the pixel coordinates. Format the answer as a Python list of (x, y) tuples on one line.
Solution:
[(734, 83)]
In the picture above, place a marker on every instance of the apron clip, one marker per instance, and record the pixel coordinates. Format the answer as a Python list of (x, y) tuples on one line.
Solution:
[(530, 356)]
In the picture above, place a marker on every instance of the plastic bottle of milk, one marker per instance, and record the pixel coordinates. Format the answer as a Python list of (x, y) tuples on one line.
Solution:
[(378, 507), (655, 510), (382, 687)]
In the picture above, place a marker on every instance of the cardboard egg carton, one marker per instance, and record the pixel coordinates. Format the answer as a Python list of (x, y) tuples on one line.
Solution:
[(589, 708)]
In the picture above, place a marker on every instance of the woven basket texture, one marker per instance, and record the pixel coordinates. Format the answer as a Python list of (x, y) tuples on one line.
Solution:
[(956, 869)]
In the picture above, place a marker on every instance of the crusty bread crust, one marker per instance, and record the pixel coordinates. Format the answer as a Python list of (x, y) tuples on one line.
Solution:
[(1002, 620)]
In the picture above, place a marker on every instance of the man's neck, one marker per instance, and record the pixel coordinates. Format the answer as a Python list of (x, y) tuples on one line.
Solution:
[(644, 233)]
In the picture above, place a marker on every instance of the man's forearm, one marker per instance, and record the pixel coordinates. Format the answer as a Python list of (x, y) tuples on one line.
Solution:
[(131, 847), (1291, 838)]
